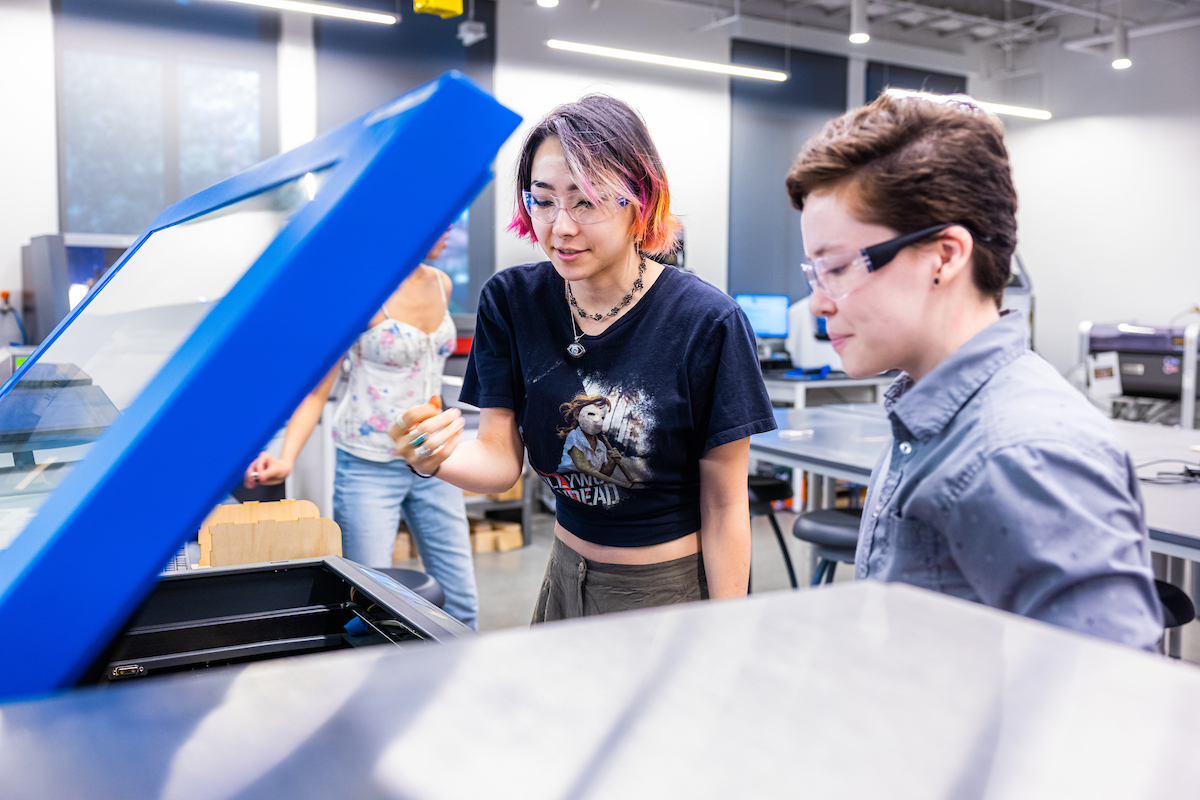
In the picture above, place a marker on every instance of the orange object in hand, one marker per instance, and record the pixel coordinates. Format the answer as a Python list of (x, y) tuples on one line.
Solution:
[(415, 416)]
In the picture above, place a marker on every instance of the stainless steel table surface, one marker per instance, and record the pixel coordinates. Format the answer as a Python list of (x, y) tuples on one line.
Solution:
[(861, 690), (837, 441)]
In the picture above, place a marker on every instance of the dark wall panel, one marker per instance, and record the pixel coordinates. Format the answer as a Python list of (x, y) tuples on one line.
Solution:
[(770, 123), (362, 66), (881, 76)]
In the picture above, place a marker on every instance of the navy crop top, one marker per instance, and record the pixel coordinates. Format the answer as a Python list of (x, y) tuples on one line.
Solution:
[(618, 433)]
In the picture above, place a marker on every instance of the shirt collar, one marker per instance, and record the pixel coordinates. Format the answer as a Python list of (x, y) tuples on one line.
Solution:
[(924, 408)]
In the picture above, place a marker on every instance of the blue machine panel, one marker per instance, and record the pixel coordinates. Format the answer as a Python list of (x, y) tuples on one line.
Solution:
[(144, 406)]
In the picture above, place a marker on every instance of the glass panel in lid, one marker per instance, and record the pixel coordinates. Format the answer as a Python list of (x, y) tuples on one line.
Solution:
[(123, 336)]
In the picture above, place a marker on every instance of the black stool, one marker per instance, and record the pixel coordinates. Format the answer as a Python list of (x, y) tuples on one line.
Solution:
[(765, 490), (833, 533), (1177, 607), (421, 583)]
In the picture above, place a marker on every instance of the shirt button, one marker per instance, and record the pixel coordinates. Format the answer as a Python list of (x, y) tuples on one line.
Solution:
[(905, 448)]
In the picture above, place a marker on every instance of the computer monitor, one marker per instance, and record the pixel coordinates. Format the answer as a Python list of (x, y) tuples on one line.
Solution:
[(768, 314)]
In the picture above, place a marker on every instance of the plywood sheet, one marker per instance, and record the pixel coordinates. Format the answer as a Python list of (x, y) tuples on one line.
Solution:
[(226, 544)]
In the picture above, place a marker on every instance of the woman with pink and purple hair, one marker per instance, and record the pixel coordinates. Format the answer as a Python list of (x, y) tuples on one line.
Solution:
[(669, 358)]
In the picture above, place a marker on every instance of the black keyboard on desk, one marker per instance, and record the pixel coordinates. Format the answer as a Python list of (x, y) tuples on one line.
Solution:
[(775, 365)]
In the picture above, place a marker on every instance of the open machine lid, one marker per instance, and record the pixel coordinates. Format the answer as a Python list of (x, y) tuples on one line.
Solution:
[(143, 407)]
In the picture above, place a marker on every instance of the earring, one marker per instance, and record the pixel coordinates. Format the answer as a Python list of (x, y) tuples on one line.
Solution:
[(935, 281)]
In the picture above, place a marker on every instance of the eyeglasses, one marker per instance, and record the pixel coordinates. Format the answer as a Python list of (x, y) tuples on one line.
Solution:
[(840, 274), (544, 208)]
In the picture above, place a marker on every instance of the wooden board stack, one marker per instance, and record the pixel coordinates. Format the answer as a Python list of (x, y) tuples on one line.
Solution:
[(252, 533)]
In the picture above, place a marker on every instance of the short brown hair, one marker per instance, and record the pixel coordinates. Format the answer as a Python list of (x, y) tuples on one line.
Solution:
[(917, 162)]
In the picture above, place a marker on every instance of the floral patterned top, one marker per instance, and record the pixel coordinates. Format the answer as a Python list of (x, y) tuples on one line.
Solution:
[(393, 366)]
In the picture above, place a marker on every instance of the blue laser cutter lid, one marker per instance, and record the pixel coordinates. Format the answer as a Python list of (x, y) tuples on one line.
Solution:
[(134, 417)]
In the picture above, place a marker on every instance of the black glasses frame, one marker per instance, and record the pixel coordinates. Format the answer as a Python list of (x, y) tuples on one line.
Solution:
[(878, 255)]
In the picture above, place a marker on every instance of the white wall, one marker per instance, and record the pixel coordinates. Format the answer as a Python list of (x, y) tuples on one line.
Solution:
[(297, 80), (28, 138), (1109, 189), (687, 112)]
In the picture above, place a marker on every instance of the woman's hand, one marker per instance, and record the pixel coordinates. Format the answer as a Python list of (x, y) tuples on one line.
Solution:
[(426, 436), (267, 471)]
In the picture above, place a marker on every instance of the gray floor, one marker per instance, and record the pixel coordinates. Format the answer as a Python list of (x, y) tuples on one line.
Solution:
[(509, 582)]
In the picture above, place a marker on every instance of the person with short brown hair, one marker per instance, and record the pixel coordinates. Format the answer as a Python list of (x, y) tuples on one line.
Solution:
[(1001, 484), (917, 164)]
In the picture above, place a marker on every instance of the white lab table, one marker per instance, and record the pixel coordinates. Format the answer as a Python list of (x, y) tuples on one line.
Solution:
[(843, 442), (833, 442)]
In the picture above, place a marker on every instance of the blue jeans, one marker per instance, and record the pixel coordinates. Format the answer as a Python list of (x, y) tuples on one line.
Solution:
[(368, 498)]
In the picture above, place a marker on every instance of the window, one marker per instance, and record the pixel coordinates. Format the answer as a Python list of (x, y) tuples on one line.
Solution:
[(157, 101)]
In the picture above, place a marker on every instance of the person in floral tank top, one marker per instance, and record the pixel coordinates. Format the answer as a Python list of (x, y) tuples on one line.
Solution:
[(396, 363)]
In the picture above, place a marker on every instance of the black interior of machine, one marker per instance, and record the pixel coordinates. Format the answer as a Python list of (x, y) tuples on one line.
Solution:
[(1152, 374), (203, 619)]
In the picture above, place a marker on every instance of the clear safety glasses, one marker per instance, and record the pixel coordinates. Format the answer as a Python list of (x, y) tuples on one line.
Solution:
[(544, 208), (840, 274)]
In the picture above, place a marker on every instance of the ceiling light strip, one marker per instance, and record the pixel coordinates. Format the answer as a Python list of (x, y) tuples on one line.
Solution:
[(668, 61), (320, 10), (995, 108)]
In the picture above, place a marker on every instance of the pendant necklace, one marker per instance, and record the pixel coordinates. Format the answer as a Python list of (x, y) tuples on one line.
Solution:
[(575, 349)]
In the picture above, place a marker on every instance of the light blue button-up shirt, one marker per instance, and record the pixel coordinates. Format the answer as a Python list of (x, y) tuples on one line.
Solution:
[(1003, 485)]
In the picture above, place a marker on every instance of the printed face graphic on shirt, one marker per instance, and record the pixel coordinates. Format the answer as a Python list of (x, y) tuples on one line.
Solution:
[(604, 436), (591, 418)]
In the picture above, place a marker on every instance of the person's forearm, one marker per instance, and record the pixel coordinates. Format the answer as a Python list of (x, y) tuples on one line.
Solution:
[(725, 545), (481, 466), (305, 418), (300, 427)]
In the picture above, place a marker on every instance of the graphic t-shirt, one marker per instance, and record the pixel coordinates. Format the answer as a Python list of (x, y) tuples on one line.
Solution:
[(618, 433)]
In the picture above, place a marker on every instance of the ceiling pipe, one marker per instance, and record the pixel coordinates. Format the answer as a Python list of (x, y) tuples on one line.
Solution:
[(736, 16), (1086, 43), (1069, 9), (903, 8), (1025, 30)]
